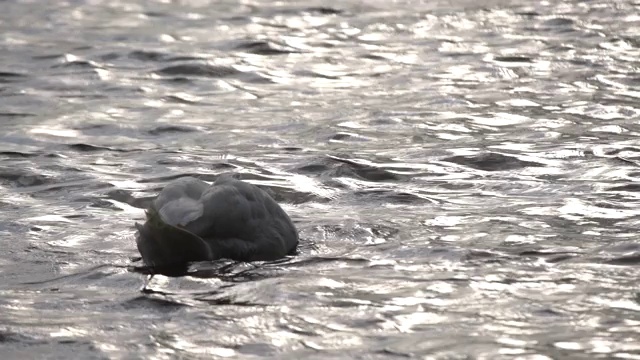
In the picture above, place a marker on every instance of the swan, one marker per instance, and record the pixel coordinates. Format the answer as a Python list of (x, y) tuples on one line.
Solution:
[(191, 221)]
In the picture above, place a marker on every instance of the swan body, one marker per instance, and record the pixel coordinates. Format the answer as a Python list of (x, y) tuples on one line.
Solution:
[(191, 220)]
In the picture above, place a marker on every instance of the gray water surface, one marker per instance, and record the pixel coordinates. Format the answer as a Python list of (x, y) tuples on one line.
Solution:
[(463, 174)]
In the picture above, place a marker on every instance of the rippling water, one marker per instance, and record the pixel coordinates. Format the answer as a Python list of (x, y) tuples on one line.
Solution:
[(464, 176)]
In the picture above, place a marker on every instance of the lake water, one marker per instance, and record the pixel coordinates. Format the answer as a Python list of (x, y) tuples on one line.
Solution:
[(464, 176)]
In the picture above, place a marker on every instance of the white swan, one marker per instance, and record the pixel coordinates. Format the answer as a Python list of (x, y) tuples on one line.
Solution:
[(191, 220)]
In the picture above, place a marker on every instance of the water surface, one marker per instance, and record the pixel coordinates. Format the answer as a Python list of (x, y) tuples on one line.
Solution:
[(463, 174)]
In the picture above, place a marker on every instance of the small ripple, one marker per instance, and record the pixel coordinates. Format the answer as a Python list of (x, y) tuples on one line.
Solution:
[(7, 336), (633, 259), (144, 55), (559, 21), (314, 10), (171, 129), (18, 154), (558, 25), (156, 56), (82, 147), (148, 302), (513, 59), (62, 348), (393, 196), (15, 115), (624, 253), (10, 77), (333, 166), (204, 70), (491, 162), (346, 137), (212, 71), (261, 47), (323, 10), (183, 98), (72, 61), (125, 196), (314, 74), (551, 255), (147, 55), (7, 74), (628, 187), (24, 177)]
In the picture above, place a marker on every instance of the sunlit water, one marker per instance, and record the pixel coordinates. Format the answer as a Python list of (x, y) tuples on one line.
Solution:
[(464, 176)]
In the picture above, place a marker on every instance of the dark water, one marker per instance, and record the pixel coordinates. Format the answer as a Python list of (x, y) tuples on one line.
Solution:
[(464, 176)]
